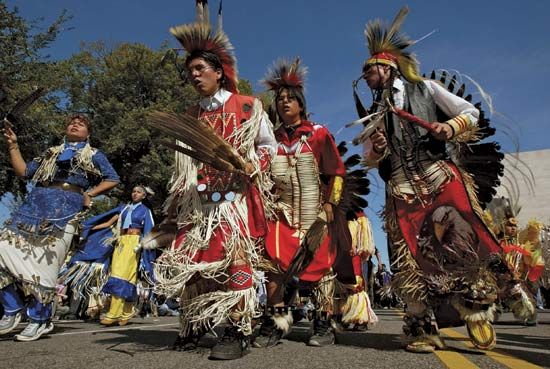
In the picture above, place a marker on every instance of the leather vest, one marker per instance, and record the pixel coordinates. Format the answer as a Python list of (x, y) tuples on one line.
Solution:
[(405, 135)]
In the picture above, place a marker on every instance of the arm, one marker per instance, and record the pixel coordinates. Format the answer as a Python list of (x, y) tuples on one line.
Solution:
[(147, 256), (463, 114), (109, 178), (331, 164), (148, 222), (102, 187), (106, 224), (266, 145), (17, 161)]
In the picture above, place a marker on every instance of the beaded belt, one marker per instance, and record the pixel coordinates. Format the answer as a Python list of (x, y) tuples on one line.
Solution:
[(62, 186), (131, 231)]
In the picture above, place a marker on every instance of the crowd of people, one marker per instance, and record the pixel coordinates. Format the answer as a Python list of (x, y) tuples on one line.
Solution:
[(264, 199)]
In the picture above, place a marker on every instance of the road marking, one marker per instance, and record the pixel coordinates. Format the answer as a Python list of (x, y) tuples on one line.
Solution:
[(115, 329), (497, 355), (454, 360), (451, 359)]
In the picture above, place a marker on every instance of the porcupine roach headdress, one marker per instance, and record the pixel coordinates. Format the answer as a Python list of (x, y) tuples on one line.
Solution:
[(197, 38), (287, 75), (387, 46), (199, 138)]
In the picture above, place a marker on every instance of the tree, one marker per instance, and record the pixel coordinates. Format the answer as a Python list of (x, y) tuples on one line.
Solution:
[(118, 87), (22, 67)]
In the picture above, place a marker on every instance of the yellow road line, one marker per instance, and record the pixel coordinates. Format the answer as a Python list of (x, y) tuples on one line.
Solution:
[(454, 360), (497, 355), (451, 359)]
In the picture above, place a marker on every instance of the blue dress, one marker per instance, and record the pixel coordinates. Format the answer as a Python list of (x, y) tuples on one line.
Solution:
[(88, 268), (125, 261), (37, 236), (47, 210)]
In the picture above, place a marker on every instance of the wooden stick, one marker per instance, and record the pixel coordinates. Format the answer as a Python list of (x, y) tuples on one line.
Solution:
[(410, 117)]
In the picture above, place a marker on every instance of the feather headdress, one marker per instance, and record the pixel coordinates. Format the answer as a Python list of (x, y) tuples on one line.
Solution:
[(197, 37), (387, 46), (290, 75), (285, 74)]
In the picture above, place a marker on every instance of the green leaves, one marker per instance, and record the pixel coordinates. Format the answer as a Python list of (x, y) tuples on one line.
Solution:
[(119, 87), (22, 68), (116, 85)]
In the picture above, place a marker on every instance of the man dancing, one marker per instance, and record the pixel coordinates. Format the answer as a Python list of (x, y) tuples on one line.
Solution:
[(307, 171), (438, 241), (219, 213)]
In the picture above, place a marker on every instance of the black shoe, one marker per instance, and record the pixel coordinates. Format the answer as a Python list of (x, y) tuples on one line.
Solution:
[(323, 334), (269, 334), (233, 345), (207, 340), (188, 343), (360, 328)]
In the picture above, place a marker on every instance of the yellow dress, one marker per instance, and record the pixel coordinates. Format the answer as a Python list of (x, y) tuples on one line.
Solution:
[(124, 266)]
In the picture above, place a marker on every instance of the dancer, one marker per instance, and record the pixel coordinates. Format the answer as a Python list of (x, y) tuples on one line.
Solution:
[(37, 236), (307, 172), (438, 242), (219, 209), (134, 221)]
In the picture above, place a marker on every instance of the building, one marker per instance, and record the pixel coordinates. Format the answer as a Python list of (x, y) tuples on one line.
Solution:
[(531, 170)]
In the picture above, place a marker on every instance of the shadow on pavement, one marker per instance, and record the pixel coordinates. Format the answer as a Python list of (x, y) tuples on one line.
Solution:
[(526, 341), (131, 341), (533, 357), (377, 341), (367, 339)]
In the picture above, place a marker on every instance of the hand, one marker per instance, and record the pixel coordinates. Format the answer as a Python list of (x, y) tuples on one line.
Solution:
[(327, 207), (11, 137), (249, 168), (359, 284), (87, 200), (379, 142), (442, 131)]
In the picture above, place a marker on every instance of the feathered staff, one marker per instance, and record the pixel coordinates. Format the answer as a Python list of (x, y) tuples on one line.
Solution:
[(202, 142), (13, 116), (376, 120), (161, 236)]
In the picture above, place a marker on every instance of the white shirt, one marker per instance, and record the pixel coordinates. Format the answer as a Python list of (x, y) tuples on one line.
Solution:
[(448, 102), (212, 103)]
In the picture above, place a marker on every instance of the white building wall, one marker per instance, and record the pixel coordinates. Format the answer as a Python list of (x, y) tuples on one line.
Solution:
[(534, 202)]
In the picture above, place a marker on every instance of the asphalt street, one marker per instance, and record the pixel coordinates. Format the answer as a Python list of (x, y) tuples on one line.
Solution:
[(146, 344)]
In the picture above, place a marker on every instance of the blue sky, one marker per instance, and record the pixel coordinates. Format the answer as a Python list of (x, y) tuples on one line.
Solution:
[(500, 44)]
